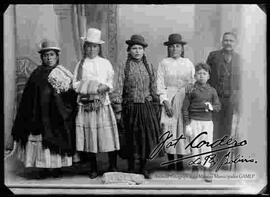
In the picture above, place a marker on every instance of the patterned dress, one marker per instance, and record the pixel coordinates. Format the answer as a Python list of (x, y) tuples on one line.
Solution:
[(172, 77)]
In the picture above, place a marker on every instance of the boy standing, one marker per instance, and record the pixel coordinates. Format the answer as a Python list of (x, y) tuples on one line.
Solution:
[(197, 110)]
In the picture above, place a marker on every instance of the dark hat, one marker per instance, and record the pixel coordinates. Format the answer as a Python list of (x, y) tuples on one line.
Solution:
[(175, 39), (137, 39)]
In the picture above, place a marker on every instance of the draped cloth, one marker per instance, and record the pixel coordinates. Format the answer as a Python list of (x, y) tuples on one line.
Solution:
[(43, 111), (79, 27)]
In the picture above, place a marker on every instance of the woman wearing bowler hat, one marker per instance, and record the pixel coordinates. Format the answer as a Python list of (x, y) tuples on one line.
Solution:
[(44, 125), (139, 116), (175, 73), (96, 129)]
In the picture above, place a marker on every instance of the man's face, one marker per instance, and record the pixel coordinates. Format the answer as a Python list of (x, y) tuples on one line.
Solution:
[(228, 42)]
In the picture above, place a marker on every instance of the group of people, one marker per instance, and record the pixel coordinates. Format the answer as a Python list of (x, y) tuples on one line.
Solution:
[(63, 113)]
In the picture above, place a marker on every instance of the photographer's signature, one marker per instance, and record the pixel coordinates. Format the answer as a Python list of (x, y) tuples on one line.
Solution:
[(222, 144)]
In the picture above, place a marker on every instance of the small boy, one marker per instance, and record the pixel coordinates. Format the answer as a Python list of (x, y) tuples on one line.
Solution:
[(198, 105)]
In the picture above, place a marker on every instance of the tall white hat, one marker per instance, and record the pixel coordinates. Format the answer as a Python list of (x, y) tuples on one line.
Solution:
[(94, 36)]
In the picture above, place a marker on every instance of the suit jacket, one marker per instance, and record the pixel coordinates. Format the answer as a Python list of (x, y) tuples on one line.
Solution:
[(220, 71)]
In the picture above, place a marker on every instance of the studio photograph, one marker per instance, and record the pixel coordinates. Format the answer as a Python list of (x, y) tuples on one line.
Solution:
[(135, 99)]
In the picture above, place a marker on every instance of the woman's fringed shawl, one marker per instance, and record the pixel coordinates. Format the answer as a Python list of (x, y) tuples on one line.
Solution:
[(43, 111)]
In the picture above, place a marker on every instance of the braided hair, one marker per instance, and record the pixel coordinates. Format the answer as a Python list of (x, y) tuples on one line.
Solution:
[(149, 71), (85, 45)]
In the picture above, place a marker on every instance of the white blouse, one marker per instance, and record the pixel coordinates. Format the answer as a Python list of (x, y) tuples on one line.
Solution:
[(99, 69), (172, 75)]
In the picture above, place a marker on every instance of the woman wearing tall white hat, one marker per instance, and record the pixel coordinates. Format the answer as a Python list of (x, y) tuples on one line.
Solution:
[(96, 129)]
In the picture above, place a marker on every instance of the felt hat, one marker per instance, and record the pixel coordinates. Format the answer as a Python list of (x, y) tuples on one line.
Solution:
[(136, 39), (174, 39)]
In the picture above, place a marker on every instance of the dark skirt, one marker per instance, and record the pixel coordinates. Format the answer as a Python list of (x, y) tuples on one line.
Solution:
[(140, 132)]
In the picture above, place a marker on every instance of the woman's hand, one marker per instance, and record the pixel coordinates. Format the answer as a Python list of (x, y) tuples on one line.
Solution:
[(189, 87), (149, 98), (168, 108), (102, 88)]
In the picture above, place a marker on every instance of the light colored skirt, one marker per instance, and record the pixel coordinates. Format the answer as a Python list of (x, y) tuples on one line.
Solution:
[(197, 128), (34, 155), (174, 124), (96, 131)]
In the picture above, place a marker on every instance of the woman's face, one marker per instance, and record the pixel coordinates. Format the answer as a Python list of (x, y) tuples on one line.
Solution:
[(91, 49), (136, 51), (49, 58), (175, 50)]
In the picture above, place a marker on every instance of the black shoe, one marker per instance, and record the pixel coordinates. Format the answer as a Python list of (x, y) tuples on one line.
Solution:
[(207, 175), (93, 175), (146, 174), (57, 173), (171, 167), (179, 166), (195, 171), (40, 174), (112, 169)]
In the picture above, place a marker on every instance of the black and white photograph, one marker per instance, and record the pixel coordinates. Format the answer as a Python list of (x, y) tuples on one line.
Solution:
[(140, 99)]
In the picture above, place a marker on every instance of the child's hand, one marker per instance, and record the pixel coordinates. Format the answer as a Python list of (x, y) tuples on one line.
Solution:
[(188, 131), (208, 106)]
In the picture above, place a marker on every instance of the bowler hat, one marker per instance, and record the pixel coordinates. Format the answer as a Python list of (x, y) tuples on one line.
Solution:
[(46, 44), (175, 39), (93, 36), (137, 39)]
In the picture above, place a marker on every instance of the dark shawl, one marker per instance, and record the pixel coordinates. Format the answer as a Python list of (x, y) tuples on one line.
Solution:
[(43, 111)]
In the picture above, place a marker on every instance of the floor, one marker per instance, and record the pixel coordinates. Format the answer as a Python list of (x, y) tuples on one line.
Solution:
[(75, 181)]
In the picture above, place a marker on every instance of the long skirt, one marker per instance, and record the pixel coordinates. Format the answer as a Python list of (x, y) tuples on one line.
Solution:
[(34, 155), (174, 125), (96, 131), (142, 128)]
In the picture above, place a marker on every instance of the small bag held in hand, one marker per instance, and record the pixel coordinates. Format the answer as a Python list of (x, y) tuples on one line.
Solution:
[(88, 87), (92, 102)]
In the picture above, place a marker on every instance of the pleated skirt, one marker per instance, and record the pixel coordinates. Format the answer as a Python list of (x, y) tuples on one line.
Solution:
[(142, 129), (34, 155), (96, 131)]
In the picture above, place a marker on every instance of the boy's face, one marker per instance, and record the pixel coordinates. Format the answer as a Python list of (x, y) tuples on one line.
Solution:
[(201, 76)]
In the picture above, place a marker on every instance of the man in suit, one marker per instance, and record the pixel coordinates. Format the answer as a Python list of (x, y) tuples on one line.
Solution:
[(225, 78)]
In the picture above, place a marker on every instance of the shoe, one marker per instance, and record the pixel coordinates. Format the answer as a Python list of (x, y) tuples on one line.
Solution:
[(146, 174), (179, 166), (57, 173), (207, 175), (195, 171), (93, 174), (40, 174), (171, 167), (112, 169)]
